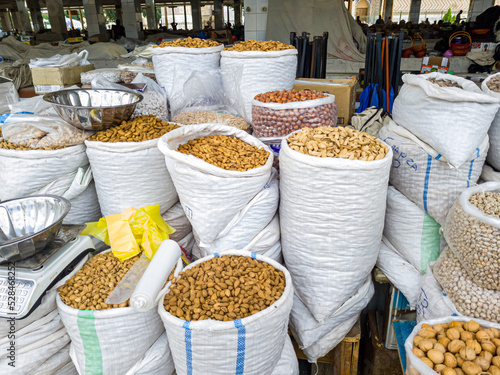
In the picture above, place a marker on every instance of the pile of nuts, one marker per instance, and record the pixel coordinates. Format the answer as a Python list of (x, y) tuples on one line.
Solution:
[(137, 129), (190, 43), (475, 242), (90, 287), (468, 298), (270, 122), (35, 138), (254, 45), (494, 83), (459, 348), (338, 142), (224, 288), (127, 76), (193, 118), (154, 103), (226, 152), (444, 83), (12, 146)]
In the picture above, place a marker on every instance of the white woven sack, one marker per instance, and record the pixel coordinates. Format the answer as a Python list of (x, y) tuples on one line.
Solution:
[(170, 62), (413, 233), (176, 218), (211, 196), (188, 242), (156, 361), (489, 174), (275, 253), (248, 346), (442, 116), (432, 300), (493, 157), (130, 174), (58, 364), (317, 339), (330, 209), (414, 364), (401, 273), (425, 177), (248, 73), (288, 363)]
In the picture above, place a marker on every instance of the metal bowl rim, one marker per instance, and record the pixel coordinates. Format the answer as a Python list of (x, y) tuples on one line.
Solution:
[(47, 98), (60, 219)]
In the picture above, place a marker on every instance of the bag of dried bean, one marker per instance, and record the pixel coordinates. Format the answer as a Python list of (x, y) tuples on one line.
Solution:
[(472, 231), (489, 174), (278, 119), (424, 176), (491, 87), (154, 102), (441, 116)]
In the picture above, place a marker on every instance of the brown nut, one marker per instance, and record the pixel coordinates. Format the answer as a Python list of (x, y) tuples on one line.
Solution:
[(494, 370), (448, 371), (470, 368), (466, 335), (444, 341), (428, 362), (473, 344), (459, 371), (435, 356), (453, 334), (426, 345), (487, 355), (438, 368), (467, 354), (472, 326), (493, 332), (440, 347), (417, 340), (496, 361), (488, 346), (450, 360), (455, 346), (482, 362), (482, 335), (427, 333), (419, 353)]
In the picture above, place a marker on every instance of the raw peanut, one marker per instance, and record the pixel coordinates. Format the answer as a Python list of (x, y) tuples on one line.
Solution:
[(189, 43), (253, 45)]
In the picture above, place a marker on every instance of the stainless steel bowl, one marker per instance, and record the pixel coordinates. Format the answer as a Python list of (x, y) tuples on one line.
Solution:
[(29, 224), (94, 109)]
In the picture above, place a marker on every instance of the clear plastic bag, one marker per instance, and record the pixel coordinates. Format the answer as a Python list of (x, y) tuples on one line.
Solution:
[(474, 237), (73, 59), (110, 74), (281, 119), (469, 298), (218, 117), (155, 99)]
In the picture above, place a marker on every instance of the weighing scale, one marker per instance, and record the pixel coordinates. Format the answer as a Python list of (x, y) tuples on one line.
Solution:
[(37, 274)]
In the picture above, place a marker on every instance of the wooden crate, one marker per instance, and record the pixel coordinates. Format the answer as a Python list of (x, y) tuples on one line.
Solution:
[(341, 360)]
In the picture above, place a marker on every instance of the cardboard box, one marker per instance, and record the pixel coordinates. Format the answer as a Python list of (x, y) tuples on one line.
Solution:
[(343, 89), (53, 79), (435, 64)]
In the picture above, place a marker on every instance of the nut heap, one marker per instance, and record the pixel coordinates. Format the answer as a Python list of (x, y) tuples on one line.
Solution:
[(339, 142), (193, 118), (444, 83), (89, 288), (12, 146), (494, 83), (469, 298), (254, 45), (137, 129), (226, 152), (268, 122), (190, 43), (53, 136), (459, 348), (476, 243), (224, 288), (154, 103)]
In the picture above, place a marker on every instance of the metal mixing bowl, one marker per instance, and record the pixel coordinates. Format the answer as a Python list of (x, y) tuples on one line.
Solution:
[(94, 109), (29, 224)]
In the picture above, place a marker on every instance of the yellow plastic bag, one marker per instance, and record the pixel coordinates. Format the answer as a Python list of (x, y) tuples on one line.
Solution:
[(132, 231)]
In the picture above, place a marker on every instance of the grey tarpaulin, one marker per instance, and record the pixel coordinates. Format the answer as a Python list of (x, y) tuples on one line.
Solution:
[(315, 17)]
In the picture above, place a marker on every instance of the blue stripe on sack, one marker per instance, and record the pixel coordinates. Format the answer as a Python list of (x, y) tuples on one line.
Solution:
[(189, 349), (426, 182), (253, 255), (470, 167), (240, 359), (438, 157)]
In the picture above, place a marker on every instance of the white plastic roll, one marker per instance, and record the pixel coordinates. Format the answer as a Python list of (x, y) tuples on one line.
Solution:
[(153, 280)]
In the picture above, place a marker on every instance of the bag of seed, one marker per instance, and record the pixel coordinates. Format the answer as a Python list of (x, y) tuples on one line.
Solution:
[(279, 113), (472, 231), (154, 100), (217, 170), (489, 174), (227, 336), (491, 86), (441, 116), (424, 176)]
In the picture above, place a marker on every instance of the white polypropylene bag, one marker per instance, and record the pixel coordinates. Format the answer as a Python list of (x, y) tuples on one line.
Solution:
[(248, 346), (413, 233), (453, 121), (130, 174), (494, 133), (317, 339), (176, 218), (489, 174), (275, 253), (288, 363), (156, 361), (331, 217), (400, 272), (424, 177), (211, 196), (248, 73)]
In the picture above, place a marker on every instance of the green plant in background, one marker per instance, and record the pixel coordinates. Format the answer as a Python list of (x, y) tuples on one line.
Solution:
[(448, 17)]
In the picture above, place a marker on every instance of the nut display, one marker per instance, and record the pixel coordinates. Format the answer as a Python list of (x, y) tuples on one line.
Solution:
[(254, 45), (12, 146), (476, 243), (190, 43), (226, 152), (153, 103), (444, 83), (224, 288), (137, 129), (89, 288), (270, 120), (193, 118), (53, 135), (458, 357), (128, 76), (339, 142), (468, 298), (494, 83)]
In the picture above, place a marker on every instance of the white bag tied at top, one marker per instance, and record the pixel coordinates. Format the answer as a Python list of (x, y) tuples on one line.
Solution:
[(493, 157), (453, 121), (331, 218)]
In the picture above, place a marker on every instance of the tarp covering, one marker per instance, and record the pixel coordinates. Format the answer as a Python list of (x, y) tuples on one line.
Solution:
[(316, 17)]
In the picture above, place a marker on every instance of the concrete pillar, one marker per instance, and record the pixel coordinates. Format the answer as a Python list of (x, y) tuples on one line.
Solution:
[(415, 11), (218, 14), (25, 17), (57, 18), (132, 18), (5, 20), (151, 15), (36, 14), (237, 12), (389, 6), (94, 14), (16, 18), (196, 14)]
